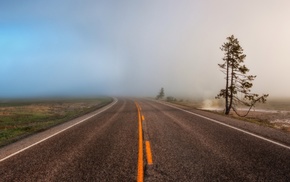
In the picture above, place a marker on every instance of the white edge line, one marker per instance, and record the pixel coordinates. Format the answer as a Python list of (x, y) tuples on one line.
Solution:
[(235, 128), (101, 110)]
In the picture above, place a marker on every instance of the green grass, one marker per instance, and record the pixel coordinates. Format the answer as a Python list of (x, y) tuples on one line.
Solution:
[(19, 119)]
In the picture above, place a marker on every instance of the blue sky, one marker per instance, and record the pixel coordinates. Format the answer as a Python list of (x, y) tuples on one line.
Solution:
[(86, 47)]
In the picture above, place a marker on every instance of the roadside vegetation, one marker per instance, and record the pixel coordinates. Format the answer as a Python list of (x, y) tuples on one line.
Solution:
[(20, 118), (275, 113), (238, 83), (161, 94), (236, 98)]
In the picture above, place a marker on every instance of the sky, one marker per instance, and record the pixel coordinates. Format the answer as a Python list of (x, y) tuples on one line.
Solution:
[(133, 48)]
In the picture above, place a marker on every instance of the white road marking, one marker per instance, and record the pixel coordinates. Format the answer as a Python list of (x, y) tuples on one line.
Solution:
[(235, 128), (101, 110)]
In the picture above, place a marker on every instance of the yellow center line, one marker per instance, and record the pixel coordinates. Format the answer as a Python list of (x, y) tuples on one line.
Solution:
[(140, 174), (148, 153)]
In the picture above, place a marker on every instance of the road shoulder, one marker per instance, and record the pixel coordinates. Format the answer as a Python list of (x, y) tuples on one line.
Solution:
[(264, 131)]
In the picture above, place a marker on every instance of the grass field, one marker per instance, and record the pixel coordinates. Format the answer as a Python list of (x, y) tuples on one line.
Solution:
[(20, 118)]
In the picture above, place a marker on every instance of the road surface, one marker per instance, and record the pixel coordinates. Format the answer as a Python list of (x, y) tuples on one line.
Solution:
[(137, 139)]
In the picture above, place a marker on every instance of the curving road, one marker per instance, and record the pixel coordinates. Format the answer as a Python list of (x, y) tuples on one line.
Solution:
[(177, 145)]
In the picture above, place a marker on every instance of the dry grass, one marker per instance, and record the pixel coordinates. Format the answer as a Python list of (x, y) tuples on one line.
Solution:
[(276, 119), (275, 113), (21, 118)]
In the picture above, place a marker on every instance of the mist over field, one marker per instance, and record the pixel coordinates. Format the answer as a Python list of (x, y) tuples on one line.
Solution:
[(133, 48)]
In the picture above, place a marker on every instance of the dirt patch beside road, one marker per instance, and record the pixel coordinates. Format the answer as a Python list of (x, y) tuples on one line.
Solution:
[(276, 119), (275, 113)]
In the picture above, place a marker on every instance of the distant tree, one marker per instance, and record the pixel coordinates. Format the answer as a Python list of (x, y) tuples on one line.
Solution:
[(170, 99), (161, 94), (238, 83)]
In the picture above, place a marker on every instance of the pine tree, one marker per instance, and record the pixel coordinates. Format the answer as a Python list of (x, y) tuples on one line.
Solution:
[(237, 80), (161, 94)]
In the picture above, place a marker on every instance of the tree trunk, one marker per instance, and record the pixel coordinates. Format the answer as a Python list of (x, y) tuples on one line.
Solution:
[(227, 87), (231, 89)]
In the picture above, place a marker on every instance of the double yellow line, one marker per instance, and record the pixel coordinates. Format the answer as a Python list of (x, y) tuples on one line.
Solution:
[(140, 175)]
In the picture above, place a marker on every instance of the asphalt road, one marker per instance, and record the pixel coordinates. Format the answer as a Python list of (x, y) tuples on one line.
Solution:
[(176, 146)]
